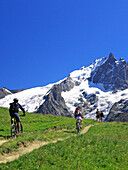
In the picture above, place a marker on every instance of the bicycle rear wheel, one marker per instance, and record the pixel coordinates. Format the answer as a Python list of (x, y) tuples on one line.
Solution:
[(13, 130)]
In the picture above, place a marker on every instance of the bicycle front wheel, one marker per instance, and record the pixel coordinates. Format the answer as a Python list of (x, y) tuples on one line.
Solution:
[(21, 127), (78, 129), (78, 126)]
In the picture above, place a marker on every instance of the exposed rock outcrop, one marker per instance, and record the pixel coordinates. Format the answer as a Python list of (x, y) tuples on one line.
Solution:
[(54, 102), (113, 74), (119, 112), (88, 105), (4, 92)]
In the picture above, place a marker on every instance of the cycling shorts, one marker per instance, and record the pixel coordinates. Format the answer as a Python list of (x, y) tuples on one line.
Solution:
[(79, 117), (16, 115)]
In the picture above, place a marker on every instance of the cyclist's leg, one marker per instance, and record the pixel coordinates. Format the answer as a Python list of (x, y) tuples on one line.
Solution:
[(18, 121), (81, 122), (78, 117), (12, 120), (76, 123)]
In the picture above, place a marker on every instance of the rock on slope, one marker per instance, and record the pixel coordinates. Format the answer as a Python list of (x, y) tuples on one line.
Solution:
[(113, 74), (119, 112), (4, 92), (54, 102)]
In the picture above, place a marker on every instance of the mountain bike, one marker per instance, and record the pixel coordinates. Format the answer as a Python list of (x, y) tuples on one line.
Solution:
[(14, 128), (78, 125)]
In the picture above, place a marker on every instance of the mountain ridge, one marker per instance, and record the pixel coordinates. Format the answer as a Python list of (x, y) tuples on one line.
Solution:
[(99, 85), (4, 92)]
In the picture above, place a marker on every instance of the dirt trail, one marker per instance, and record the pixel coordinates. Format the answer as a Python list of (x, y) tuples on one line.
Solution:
[(30, 147), (3, 141), (86, 129)]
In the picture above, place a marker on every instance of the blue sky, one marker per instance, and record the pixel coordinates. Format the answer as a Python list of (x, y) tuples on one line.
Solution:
[(42, 41)]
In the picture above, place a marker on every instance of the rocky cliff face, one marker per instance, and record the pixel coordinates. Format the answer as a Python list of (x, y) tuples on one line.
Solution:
[(87, 103), (119, 112), (4, 92), (113, 74), (54, 102)]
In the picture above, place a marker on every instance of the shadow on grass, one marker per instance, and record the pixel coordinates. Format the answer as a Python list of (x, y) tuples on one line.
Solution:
[(69, 131), (1, 129), (10, 137), (6, 136)]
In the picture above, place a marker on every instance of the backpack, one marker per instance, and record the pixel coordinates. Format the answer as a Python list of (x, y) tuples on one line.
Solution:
[(77, 114), (13, 108)]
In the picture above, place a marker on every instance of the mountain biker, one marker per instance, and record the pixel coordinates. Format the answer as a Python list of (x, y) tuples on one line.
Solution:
[(13, 110), (78, 115), (97, 115)]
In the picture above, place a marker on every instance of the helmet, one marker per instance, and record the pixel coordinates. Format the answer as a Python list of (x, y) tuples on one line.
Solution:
[(15, 100)]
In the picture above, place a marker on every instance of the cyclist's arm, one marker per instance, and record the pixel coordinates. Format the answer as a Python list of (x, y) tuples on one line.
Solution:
[(22, 109), (82, 115)]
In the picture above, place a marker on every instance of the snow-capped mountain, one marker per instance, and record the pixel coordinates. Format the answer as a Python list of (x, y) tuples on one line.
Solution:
[(99, 85), (30, 99)]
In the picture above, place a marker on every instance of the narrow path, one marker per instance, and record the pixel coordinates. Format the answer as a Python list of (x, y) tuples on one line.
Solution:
[(86, 129), (30, 147), (3, 141)]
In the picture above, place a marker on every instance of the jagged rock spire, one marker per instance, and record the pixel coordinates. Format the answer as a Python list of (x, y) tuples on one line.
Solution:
[(122, 60), (111, 58)]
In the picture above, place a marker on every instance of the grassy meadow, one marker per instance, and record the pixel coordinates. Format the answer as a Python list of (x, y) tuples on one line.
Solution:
[(104, 146)]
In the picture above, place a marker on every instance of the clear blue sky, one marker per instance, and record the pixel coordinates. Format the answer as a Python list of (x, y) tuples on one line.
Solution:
[(42, 41)]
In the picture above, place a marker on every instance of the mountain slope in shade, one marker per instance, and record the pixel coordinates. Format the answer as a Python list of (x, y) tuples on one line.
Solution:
[(4, 92), (118, 112)]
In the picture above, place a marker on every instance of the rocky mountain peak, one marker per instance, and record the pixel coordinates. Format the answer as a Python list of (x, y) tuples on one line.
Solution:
[(112, 74), (3, 92), (111, 58), (4, 88)]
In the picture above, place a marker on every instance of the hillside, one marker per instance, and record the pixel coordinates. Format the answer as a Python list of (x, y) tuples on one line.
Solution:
[(38, 127), (104, 146)]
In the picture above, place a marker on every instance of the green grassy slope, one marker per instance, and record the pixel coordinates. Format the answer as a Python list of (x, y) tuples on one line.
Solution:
[(36, 127), (104, 146)]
